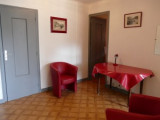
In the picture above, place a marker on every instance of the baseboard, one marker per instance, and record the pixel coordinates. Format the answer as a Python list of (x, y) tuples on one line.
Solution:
[(80, 80), (46, 89), (2, 101), (50, 88)]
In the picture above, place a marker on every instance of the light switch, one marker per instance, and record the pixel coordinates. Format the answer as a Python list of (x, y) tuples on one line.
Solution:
[(157, 41), (5, 55)]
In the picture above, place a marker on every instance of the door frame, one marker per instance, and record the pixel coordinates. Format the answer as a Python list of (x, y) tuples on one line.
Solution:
[(2, 67), (107, 38), (2, 62)]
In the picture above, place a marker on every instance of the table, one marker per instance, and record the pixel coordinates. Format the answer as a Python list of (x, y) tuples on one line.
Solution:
[(127, 76)]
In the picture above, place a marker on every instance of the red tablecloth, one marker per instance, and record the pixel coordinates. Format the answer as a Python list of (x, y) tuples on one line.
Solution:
[(127, 76)]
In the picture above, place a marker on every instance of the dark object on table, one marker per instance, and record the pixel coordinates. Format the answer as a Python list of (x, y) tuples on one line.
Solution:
[(115, 61)]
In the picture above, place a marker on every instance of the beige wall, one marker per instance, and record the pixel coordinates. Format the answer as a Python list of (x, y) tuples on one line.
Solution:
[(135, 46), (71, 47)]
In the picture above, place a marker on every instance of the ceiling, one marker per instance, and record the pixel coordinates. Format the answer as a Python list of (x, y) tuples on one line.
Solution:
[(88, 1)]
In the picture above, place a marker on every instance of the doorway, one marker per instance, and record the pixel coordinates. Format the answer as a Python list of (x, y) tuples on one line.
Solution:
[(98, 41), (19, 38)]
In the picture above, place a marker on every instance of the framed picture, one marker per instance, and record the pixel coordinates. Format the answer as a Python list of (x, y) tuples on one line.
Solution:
[(133, 20), (58, 25)]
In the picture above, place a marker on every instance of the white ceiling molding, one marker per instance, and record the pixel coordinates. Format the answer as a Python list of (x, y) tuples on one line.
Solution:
[(88, 1)]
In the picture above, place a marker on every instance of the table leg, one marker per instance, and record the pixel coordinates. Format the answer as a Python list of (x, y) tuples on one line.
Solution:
[(110, 82), (98, 85), (129, 93), (141, 87)]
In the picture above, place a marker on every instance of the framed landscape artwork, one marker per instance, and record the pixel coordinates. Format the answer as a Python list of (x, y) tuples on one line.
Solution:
[(133, 20), (58, 25)]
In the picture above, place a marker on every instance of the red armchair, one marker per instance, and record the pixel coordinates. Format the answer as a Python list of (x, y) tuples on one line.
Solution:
[(64, 75), (141, 107)]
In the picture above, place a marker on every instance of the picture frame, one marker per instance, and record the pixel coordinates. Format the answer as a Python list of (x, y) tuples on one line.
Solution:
[(58, 25), (133, 20)]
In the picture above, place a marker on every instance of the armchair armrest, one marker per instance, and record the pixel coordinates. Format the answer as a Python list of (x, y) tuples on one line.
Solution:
[(114, 114), (71, 69), (144, 104), (56, 76)]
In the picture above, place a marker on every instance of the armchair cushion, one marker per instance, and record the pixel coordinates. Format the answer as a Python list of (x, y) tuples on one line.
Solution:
[(67, 79)]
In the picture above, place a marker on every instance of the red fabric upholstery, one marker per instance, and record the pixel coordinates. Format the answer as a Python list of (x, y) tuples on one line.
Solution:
[(141, 107), (64, 75), (144, 104)]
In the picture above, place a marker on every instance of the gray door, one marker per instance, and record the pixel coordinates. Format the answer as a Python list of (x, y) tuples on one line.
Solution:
[(20, 47)]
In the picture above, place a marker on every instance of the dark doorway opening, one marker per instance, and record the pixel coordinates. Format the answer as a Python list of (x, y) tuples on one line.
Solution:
[(98, 39)]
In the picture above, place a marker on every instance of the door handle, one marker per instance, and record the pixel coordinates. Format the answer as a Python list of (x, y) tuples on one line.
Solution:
[(5, 55)]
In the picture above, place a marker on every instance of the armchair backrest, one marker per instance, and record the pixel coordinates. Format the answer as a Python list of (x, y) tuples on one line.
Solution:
[(60, 67), (144, 104)]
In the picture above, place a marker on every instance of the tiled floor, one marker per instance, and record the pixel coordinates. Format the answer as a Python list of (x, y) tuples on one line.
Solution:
[(85, 104)]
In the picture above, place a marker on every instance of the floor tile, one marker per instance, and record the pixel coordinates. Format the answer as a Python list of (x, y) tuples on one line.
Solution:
[(85, 104)]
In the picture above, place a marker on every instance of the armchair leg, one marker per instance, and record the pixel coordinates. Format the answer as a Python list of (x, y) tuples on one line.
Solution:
[(73, 86), (57, 92)]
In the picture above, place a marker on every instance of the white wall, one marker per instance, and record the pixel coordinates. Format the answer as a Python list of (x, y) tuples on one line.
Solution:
[(135, 46), (71, 47)]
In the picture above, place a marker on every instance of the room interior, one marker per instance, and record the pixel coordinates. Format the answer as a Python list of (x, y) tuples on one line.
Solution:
[(137, 47)]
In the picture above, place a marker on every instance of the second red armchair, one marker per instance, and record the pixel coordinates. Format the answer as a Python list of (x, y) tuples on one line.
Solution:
[(141, 107)]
